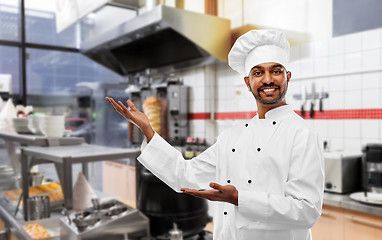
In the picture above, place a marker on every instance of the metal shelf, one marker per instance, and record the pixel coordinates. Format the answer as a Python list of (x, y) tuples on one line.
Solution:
[(64, 157), (33, 140)]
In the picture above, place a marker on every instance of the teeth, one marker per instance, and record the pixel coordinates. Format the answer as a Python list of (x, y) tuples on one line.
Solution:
[(269, 90)]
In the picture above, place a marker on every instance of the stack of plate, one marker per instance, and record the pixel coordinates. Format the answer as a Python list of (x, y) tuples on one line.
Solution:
[(54, 126), (22, 125)]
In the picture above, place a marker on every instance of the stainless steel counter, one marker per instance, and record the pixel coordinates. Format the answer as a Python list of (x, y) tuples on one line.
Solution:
[(344, 201)]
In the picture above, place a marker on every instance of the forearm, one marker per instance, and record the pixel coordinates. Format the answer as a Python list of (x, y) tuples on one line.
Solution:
[(148, 132), (276, 212)]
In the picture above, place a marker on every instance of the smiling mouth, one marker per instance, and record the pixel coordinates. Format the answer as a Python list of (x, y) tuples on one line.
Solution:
[(269, 91)]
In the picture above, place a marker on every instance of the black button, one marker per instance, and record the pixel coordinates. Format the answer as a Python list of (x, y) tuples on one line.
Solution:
[(228, 181), (249, 181), (258, 149), (233, 150), (246, 125), (274, 123), (225, 213)]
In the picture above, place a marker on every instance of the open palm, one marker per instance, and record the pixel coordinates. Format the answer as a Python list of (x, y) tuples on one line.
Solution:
[(133, 115)]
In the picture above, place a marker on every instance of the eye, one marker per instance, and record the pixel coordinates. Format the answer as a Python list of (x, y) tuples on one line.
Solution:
[(256, 73), (277, 71)]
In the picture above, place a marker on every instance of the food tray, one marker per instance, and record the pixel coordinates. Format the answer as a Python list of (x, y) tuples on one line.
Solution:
[(52, 190), (52, 225)]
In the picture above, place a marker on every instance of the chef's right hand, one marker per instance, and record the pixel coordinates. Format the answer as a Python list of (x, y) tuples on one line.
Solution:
[(133, 115)]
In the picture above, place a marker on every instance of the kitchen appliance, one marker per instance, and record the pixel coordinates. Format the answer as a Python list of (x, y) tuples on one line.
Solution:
[(110, 220), (164, 38), (342, 172), (372, 167), (177, 96), (164, 207)]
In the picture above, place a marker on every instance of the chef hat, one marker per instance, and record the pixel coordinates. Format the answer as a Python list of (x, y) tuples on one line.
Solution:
[(256, 47)]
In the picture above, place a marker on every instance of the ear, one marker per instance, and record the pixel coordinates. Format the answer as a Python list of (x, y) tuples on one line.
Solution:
[(246, 80), (289, 76)]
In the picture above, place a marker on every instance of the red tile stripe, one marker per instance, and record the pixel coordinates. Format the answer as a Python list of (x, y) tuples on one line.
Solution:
[(327, 114), (234, 115), (199, 116)]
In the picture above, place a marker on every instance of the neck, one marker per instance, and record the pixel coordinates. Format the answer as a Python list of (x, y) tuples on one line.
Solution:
[(262, 109)]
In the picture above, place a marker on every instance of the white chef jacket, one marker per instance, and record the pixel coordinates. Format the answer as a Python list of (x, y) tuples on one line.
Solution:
[(276, 164)]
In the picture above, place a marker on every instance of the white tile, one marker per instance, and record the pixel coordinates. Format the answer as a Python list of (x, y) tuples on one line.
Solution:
[(197, 93), (321, 48), (336, 64), (353, 99), (336, 144), (371, 80), (197, 106), (322, 127), (294, 68), (307, 68), (370, 60), (335, 128), (295, 53), (370, 129), (371, 39), (336, 101), (353, 42), (353, 62), (225, 106), (336, 83), (321, 66), (306, 51), (352, 145), (353, 82), (371, 98), (337, 46), (352, 128)]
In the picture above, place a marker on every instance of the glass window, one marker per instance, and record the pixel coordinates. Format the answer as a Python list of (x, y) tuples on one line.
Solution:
[(40, 25), (41, 28), (9, 64), (56, 72), (9, 20)]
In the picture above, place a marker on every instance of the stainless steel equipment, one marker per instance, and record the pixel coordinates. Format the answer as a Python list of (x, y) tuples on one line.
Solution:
[(38, 207), (164, 38), (372, 167), (342, 172), (177, 96), (108, 220)]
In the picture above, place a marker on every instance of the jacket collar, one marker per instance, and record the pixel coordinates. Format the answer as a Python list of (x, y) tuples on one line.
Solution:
[(278, 113)]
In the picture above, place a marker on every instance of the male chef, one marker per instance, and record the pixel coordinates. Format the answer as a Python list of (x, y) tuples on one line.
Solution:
[(266, 175)]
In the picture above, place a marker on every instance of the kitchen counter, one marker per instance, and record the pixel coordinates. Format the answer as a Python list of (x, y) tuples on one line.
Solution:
[(344, 201)]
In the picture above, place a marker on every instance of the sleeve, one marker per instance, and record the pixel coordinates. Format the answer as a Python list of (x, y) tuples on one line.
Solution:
[(168, 164), (301, 205)]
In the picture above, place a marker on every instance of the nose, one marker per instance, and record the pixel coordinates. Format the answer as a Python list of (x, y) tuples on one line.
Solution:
[(267, 79)]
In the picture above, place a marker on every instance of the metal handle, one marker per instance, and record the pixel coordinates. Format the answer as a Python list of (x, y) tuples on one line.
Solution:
[(325, 213), (360, 220)]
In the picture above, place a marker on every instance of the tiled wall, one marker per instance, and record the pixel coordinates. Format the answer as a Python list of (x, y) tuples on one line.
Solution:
[(348, 68)]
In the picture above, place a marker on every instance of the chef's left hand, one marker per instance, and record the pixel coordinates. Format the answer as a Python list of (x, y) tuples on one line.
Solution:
[(227, 193)]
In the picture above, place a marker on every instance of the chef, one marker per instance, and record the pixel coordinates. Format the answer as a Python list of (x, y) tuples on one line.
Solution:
[(267, 175)]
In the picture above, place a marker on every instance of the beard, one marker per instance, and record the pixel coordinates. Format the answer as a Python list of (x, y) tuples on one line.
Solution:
[(273, 101)]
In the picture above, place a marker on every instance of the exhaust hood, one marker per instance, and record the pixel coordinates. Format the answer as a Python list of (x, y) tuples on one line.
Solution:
[(164, 38)]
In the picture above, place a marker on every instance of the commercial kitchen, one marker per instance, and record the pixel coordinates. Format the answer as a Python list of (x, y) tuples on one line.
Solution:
[(68, 162)]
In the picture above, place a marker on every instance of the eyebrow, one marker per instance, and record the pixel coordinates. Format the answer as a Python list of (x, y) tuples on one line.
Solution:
[(273, 66)]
